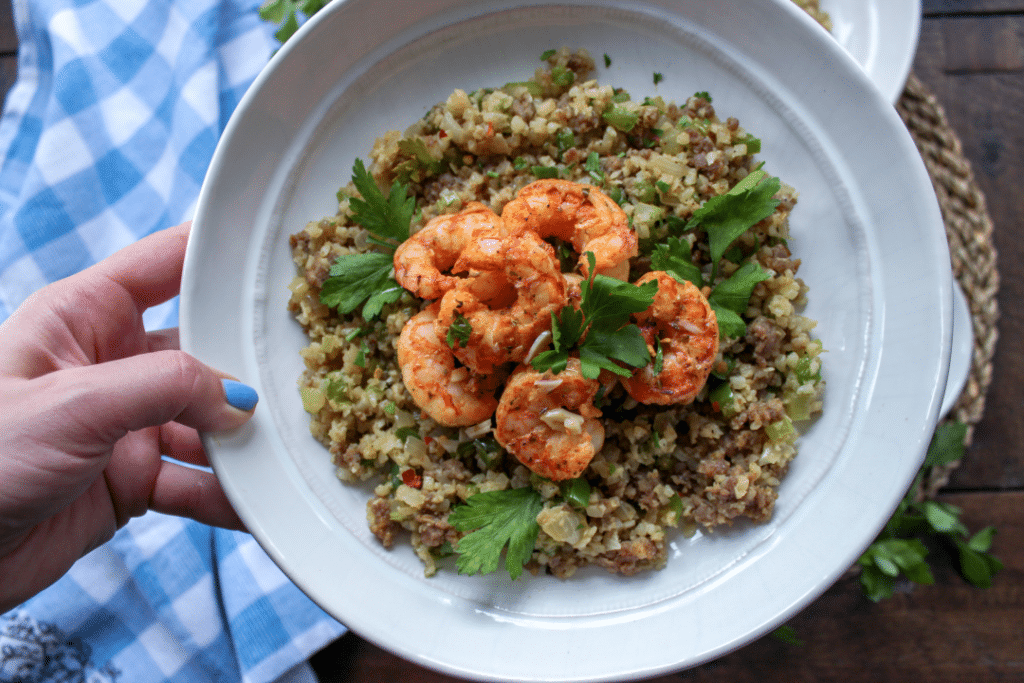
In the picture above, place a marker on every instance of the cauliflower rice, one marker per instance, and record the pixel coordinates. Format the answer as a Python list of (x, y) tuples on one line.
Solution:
[(662, 470)]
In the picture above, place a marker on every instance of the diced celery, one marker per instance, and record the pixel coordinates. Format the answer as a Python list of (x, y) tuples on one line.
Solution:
[(780, 430), (313, 399), (576, 492)]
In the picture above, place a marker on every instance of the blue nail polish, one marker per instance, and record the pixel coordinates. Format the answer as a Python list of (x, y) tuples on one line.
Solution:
[(239, 395)]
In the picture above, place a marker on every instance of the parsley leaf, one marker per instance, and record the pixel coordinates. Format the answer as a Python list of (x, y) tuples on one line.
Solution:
[(900, 548), (673, 257), (496, 519), (284, 13), (386, 218), (602, 348), (365, 279), (459, 331), (600, 328), (730, 297), (355, 279), (728, 216), (593, 167)]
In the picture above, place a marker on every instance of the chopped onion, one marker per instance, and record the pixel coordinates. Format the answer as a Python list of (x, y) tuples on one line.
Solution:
[(539, 343), (563, 420)]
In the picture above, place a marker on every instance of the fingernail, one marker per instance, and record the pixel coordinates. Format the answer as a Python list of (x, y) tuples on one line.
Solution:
[(239, 395)]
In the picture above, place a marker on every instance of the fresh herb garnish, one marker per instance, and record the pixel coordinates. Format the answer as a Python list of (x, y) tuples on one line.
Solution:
[(285, 14), (599, 329), (703, 95), (496, 519), (545, 172), (562, 76), (459, 331), (365, 279), (730, 297), (728, 216), (753, 144), (658, 77), (487, 449), (900, 548), (361, 280), (564, 140), (674, 257), (386, 218), (593, 168), (404, 433)]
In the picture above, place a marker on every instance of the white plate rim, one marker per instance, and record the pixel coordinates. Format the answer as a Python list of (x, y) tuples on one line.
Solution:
[(881, 35), (221, 446)]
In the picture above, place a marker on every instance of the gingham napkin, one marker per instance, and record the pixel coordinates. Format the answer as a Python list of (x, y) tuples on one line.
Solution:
[(105, 138)]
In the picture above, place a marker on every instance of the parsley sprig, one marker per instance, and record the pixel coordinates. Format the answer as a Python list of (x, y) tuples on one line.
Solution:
[(729, 215), (285, 13), (901, 548), (496, 519), (599, 330), (366, 279)]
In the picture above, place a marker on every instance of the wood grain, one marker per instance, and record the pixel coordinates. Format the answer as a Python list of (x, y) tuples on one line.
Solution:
[(984, 107), (952, 7)]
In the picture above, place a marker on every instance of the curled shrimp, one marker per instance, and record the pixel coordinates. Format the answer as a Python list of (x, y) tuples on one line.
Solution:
[(679, 321), (452, 396), (506, 300), (579, 214), (549, 422), (423, 261)]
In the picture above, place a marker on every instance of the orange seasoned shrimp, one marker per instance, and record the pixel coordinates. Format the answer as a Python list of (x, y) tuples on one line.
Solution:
[(453, 396), (549, 422), (579, 214), (422, 260), (681, 321), (507, 300)]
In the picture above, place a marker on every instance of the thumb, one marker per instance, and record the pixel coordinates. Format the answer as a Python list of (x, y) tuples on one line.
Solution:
[(101, 403)]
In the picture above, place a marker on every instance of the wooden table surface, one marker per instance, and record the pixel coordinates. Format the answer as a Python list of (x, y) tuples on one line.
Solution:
[(971, 56)]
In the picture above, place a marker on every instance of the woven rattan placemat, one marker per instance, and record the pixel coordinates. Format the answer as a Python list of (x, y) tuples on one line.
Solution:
[(973, 255)]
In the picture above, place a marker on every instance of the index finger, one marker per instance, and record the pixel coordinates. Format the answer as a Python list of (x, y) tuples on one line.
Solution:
[(149, 270)]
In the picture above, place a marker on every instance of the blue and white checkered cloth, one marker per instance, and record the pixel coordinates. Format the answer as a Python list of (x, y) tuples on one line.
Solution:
[(105, 138)]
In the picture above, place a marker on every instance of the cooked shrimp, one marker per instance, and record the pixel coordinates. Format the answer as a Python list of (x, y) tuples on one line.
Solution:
[(579, 214), (549, 421), (681, 321), (506, 309), (453, 396), (423, 260)]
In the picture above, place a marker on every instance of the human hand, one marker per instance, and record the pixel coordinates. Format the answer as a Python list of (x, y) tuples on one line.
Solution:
[(89, 401)]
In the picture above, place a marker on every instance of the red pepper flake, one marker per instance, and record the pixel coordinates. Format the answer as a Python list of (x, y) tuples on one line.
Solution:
[(490, 129), (442, 134), (717, 408), (412, 479)]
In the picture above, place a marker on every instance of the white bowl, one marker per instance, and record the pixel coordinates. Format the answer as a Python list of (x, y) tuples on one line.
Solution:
[(881, 36), (874, 254)]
